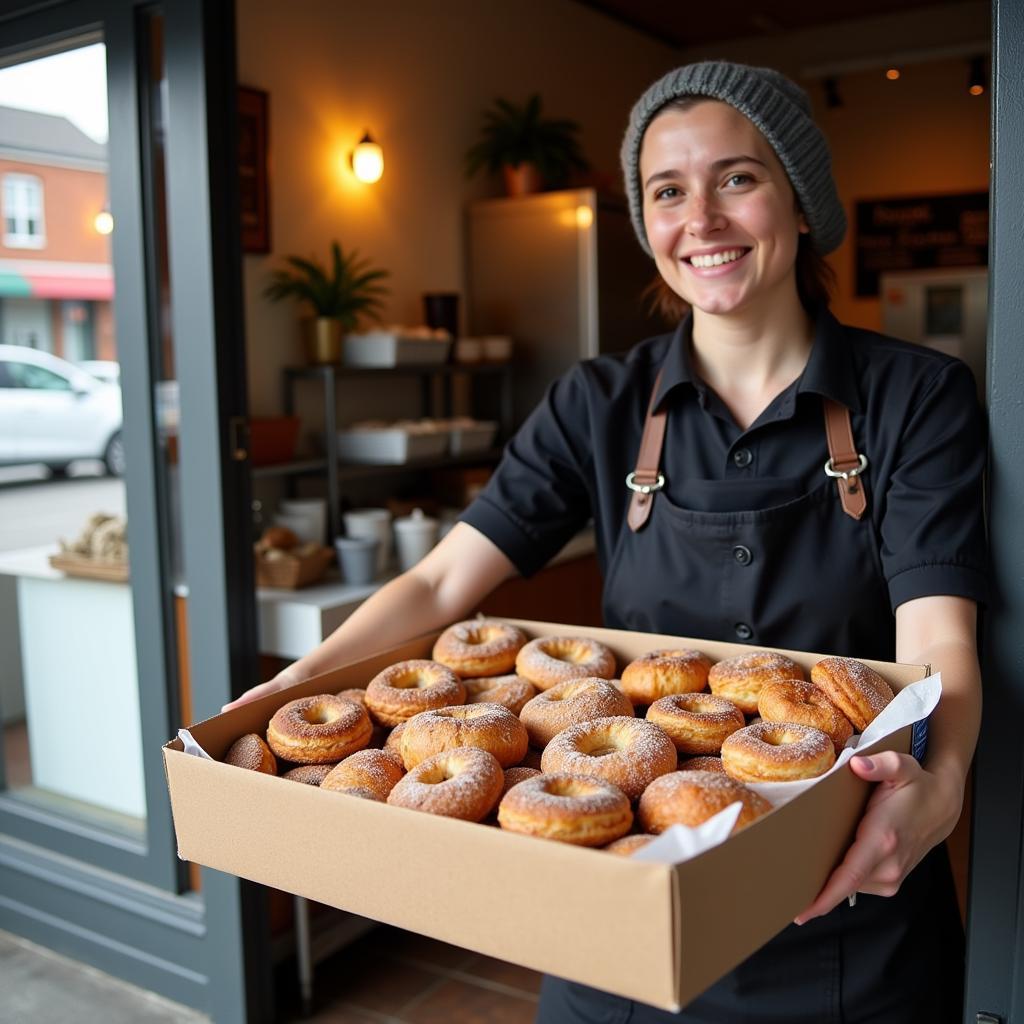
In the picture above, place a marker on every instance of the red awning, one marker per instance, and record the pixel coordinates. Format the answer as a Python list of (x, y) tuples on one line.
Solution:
[(52, 280), (71, 287)]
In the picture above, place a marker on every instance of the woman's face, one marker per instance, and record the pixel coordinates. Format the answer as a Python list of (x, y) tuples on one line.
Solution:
[(720, 213)]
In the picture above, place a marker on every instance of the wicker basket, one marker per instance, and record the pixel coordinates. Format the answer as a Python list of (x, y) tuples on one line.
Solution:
[(290, 571)]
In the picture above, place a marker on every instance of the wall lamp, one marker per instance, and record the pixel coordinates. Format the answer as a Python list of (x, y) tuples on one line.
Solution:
[(367, 160), (103, 222)]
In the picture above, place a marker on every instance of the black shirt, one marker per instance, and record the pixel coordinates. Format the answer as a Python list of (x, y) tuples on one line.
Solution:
[(914, 413)]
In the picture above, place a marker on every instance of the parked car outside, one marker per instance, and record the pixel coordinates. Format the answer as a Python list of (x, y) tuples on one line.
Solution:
[(53, 412), (108, 370)]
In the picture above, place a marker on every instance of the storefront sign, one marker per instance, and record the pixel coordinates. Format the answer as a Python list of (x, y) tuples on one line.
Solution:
[(919, 233)]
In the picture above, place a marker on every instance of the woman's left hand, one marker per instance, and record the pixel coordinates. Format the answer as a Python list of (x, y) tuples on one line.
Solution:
[(910, 811)]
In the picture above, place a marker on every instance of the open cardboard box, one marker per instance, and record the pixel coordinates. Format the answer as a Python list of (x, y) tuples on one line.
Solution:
[(656, 933)]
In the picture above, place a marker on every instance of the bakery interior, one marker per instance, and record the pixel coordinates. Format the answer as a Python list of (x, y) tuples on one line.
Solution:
[(483, 297)]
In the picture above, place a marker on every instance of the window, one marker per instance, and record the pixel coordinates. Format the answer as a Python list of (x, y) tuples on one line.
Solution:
[(28, 375), (23, 211)]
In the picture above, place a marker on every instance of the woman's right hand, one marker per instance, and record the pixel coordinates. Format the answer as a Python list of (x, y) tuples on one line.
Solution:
[(281, 681)]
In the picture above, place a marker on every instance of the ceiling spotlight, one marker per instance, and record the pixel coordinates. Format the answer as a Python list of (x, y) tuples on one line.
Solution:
[(892, 74), (832, 97), (976, 76)]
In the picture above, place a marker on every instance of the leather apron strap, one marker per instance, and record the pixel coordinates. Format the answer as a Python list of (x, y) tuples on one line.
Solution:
[(845, 464)]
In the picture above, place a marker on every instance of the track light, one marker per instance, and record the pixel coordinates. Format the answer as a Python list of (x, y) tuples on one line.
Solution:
[(976, 76)]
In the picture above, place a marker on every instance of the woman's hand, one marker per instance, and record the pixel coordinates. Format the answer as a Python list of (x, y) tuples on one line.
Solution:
[(910, 811), (285, 678)]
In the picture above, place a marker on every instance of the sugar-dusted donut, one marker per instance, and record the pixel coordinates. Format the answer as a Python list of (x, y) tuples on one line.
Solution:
[(569, 703), (628, 845), (464, 783), (550, 660), (516, 774), (370, 774), (510, 691), (697, 723), (251, 752), (701, 763), (664, 672), (857, 690), (489, 727), (740, 679), (627, 752), (309, 774), (691, 798), (777, 752), (318, 729), (479, 647), (409, 687), (793, 700), (576, 809), (355, 693)]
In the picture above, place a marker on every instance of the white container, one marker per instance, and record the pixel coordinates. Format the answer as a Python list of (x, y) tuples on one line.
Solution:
[(372, 523), (468, 350), (313, 509), (301, 524), (393, 348), (415, 536), (497, 348), (467, 436), (390, 445)]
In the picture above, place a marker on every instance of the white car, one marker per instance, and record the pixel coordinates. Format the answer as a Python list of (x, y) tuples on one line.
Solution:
[(52, 411)]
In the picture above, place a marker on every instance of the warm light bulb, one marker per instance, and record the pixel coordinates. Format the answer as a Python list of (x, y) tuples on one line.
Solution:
[(367, 160), (584, 216), (103, 222), (892, 74), (976, 90)]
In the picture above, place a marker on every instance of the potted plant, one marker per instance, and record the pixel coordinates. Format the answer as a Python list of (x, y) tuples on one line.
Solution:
[(532, 152), (338, 295)]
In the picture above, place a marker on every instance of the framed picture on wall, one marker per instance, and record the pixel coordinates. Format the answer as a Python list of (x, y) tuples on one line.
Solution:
[(253, 184)]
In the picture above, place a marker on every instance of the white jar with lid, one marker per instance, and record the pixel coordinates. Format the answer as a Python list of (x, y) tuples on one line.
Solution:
[(415, 536)]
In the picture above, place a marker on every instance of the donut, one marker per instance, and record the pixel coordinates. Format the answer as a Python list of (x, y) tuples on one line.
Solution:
[(317, 729), (369, 774), (393, 743), (701, 763), (531, 759), (793, 700), (575, 809), (510, 691), (479, 647), (628, 845), (627, 752), (355, 693), (550, 660), (488, 727), (691, 798), (740, 679), (858, 691), (464, 783), (517, 774), (569, 703), (251, 752), (409, 687), (662, 672), (777, 752), (696, 722), (310, 774)]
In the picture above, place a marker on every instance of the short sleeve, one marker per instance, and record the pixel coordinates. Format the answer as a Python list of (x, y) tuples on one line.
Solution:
[(932, 527), (538, 497)]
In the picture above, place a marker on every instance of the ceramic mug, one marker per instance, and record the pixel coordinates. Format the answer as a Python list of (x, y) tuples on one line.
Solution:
[(375, 523), (315, 509), (357, 558)]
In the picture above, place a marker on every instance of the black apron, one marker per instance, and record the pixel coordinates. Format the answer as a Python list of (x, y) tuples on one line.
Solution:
[(803, 574)]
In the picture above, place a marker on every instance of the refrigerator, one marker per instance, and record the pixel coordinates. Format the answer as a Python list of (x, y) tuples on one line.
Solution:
[(563, 275)]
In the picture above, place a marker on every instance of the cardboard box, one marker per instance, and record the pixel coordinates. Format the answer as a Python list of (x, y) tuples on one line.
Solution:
[(655, 933)]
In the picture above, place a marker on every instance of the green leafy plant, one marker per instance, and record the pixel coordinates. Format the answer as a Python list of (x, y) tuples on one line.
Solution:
[(513, 135), (349, 289)]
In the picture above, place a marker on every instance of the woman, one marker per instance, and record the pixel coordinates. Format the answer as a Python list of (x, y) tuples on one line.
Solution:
[(729, 528)]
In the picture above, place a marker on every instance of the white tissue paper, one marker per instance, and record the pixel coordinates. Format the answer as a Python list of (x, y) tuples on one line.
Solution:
[(191, 747), (913, 703)]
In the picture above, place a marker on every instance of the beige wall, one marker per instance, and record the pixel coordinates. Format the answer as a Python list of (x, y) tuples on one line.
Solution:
[(418, 76)]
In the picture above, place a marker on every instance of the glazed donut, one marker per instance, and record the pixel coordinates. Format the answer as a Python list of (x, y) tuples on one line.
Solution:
[(569, 703), (464, 783), (370, 774), (550, 660), (696, 722), (628, 845), (740, 679), (517, 774), (690, 798), (858, 691), (511, 691), (575, 809), (318, 729), (777, 752), (489, 727), (662, 672), (251, 752), (310, 774), (627, 752), (409, 687), (702, 763), (479, 647), (792, 700)]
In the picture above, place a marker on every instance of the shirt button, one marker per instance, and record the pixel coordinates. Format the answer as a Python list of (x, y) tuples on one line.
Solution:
[(743, 631), (742, 554), (742, 457)]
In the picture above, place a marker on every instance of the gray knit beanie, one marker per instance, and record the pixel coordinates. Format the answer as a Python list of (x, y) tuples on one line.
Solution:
[(780, 110)]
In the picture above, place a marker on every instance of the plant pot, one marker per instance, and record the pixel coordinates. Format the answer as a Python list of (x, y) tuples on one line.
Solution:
[(322, 337), (522, 179)]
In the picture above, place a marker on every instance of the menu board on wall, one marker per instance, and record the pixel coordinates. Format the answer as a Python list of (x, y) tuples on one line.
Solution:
[(919, 233)]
